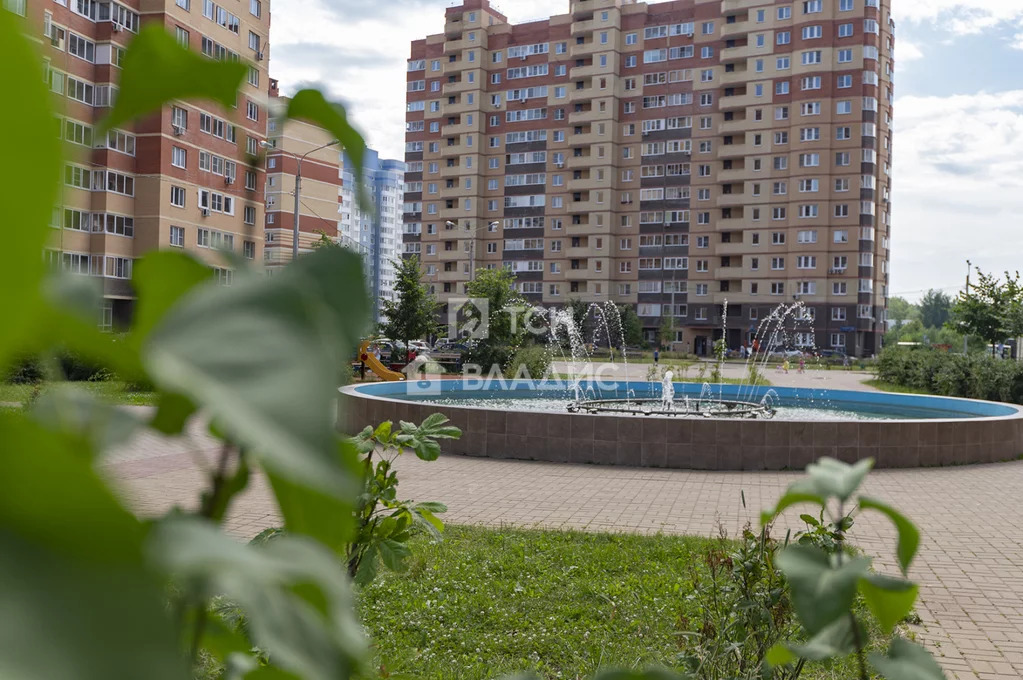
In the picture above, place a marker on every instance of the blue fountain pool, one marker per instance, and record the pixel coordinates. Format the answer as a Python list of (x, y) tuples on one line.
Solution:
[(793, 404)]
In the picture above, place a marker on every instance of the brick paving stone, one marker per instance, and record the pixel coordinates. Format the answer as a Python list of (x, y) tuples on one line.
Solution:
[(970, 564)]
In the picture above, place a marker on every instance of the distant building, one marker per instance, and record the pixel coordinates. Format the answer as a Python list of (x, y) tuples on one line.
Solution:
[(703, 161), (320, 197), (375, 234)]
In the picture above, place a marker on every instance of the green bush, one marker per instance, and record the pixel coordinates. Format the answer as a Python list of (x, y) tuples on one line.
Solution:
[(973, 376), (535, 358)]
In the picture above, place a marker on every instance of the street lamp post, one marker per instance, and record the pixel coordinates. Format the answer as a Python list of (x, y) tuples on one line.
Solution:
[(298, 193), (472, 244)]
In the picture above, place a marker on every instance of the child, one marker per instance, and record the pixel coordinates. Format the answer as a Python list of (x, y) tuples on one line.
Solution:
[(785, 365), (802, 365)]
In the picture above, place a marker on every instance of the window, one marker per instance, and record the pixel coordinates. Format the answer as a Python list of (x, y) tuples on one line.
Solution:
[(251, 110), (811, 57), (255, 8), (843, 107), (845, 56), (781, 87), (81, 48), (812, 32), (845, 30), (249, 249), (845, 5), (177, 196), (841, 236), (782, 63), (253, 41), (178, 157), (783, 37), (813, 6), (844, 81), (784, 13)]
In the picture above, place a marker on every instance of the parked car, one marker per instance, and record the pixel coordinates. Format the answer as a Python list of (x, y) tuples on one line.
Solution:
[(419, 346), (448, 346), (832, 354)]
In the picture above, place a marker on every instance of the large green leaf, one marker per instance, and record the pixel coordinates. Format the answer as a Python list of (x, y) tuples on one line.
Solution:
[(34, 177), (78, 601), (312, 513), (263, 357), (834, 640), (156, 70), (74, 411), (161, 279), (906, 661), (296, 598), (889, 599), (834, 478), (311, 106), (909, 535), (798, 492), (822, 589)]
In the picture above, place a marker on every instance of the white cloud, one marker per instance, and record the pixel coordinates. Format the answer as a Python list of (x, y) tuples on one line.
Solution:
[(957, 187), (959, 16), (907, 51)]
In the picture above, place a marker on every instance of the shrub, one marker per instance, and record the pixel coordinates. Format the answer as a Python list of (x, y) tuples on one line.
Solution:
[(973, 376), (535, 358), (26, 372)]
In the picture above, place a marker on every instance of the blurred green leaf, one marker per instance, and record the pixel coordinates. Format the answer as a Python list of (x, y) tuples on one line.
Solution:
[(311, 513), (36, 174), (909, 535), (311, 106), (822, 590), (833, 641), (263, 357), (161, 279), (906, 661), (780, 655), (156, 69), (172, 413), (77, 597), (799, 492), (834, 478), (889, 599), (394, 554), (296, 598), (72, 410)]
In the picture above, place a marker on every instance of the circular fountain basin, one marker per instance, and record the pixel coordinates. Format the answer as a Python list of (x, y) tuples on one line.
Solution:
[(530, 421)]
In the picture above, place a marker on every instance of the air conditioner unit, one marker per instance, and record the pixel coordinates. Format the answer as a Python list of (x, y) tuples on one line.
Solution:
[(178, 130), (115, 27), (259, 56), (646, 133), (205, 212), (229, 180), (524, 56)]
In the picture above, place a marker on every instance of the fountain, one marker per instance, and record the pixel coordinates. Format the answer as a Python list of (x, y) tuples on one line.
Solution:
[(588, 417)]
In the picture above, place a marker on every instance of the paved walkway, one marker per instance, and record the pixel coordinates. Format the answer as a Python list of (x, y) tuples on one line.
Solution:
[(970, 564)]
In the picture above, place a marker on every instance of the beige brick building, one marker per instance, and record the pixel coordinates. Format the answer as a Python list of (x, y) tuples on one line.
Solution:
[(673, 156), (178, 179)]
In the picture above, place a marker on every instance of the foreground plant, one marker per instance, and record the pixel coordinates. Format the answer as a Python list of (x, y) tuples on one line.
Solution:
[(825, 580)]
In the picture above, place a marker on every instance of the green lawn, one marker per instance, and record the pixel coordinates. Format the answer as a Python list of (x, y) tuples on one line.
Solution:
[(483, 603), (893, 387), (111, 390)]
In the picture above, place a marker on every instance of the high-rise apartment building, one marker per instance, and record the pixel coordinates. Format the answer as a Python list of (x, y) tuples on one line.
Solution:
[(675, 156), (178, 179), (299, 145), (375, 233)]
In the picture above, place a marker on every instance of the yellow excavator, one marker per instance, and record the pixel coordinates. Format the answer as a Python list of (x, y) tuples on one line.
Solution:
[(377, 366)]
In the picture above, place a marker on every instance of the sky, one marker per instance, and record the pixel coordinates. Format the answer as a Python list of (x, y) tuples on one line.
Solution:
[(957, 187)]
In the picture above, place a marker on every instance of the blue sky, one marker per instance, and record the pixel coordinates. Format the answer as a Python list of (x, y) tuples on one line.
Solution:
[(957, 189)]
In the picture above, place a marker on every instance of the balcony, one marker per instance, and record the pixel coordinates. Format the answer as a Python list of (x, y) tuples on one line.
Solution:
[(739, 52), (589, 183), (737, 77), (730, 200), (728, 273), (730, 224), (733, 5), (739, 125), (734, 175), (584, 26), (584, 94), (729, 249), (455, 46), (459, 86), (741, 101), (586, 49), (455, 66), (580, 117), (732, 30), (734, 150), (587, 71), (586, 138)]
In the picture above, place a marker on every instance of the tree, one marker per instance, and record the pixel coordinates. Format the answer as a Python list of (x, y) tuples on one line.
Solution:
[(505, 328), (414, 314), (667, 333), (632, 328), (325, 241), (579, 310), (990, 309), (935, 309), (901, 310)]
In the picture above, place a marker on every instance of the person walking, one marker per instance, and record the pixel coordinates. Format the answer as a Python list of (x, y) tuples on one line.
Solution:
[(657, 355), (802, 364), (785, 365)]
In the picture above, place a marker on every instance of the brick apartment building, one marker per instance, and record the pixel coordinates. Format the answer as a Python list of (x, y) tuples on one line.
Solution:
[(178, 179), (672, 156)]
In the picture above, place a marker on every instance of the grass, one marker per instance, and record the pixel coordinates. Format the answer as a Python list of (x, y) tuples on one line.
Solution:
[(111, 390), (894, 387), (483, 603)]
